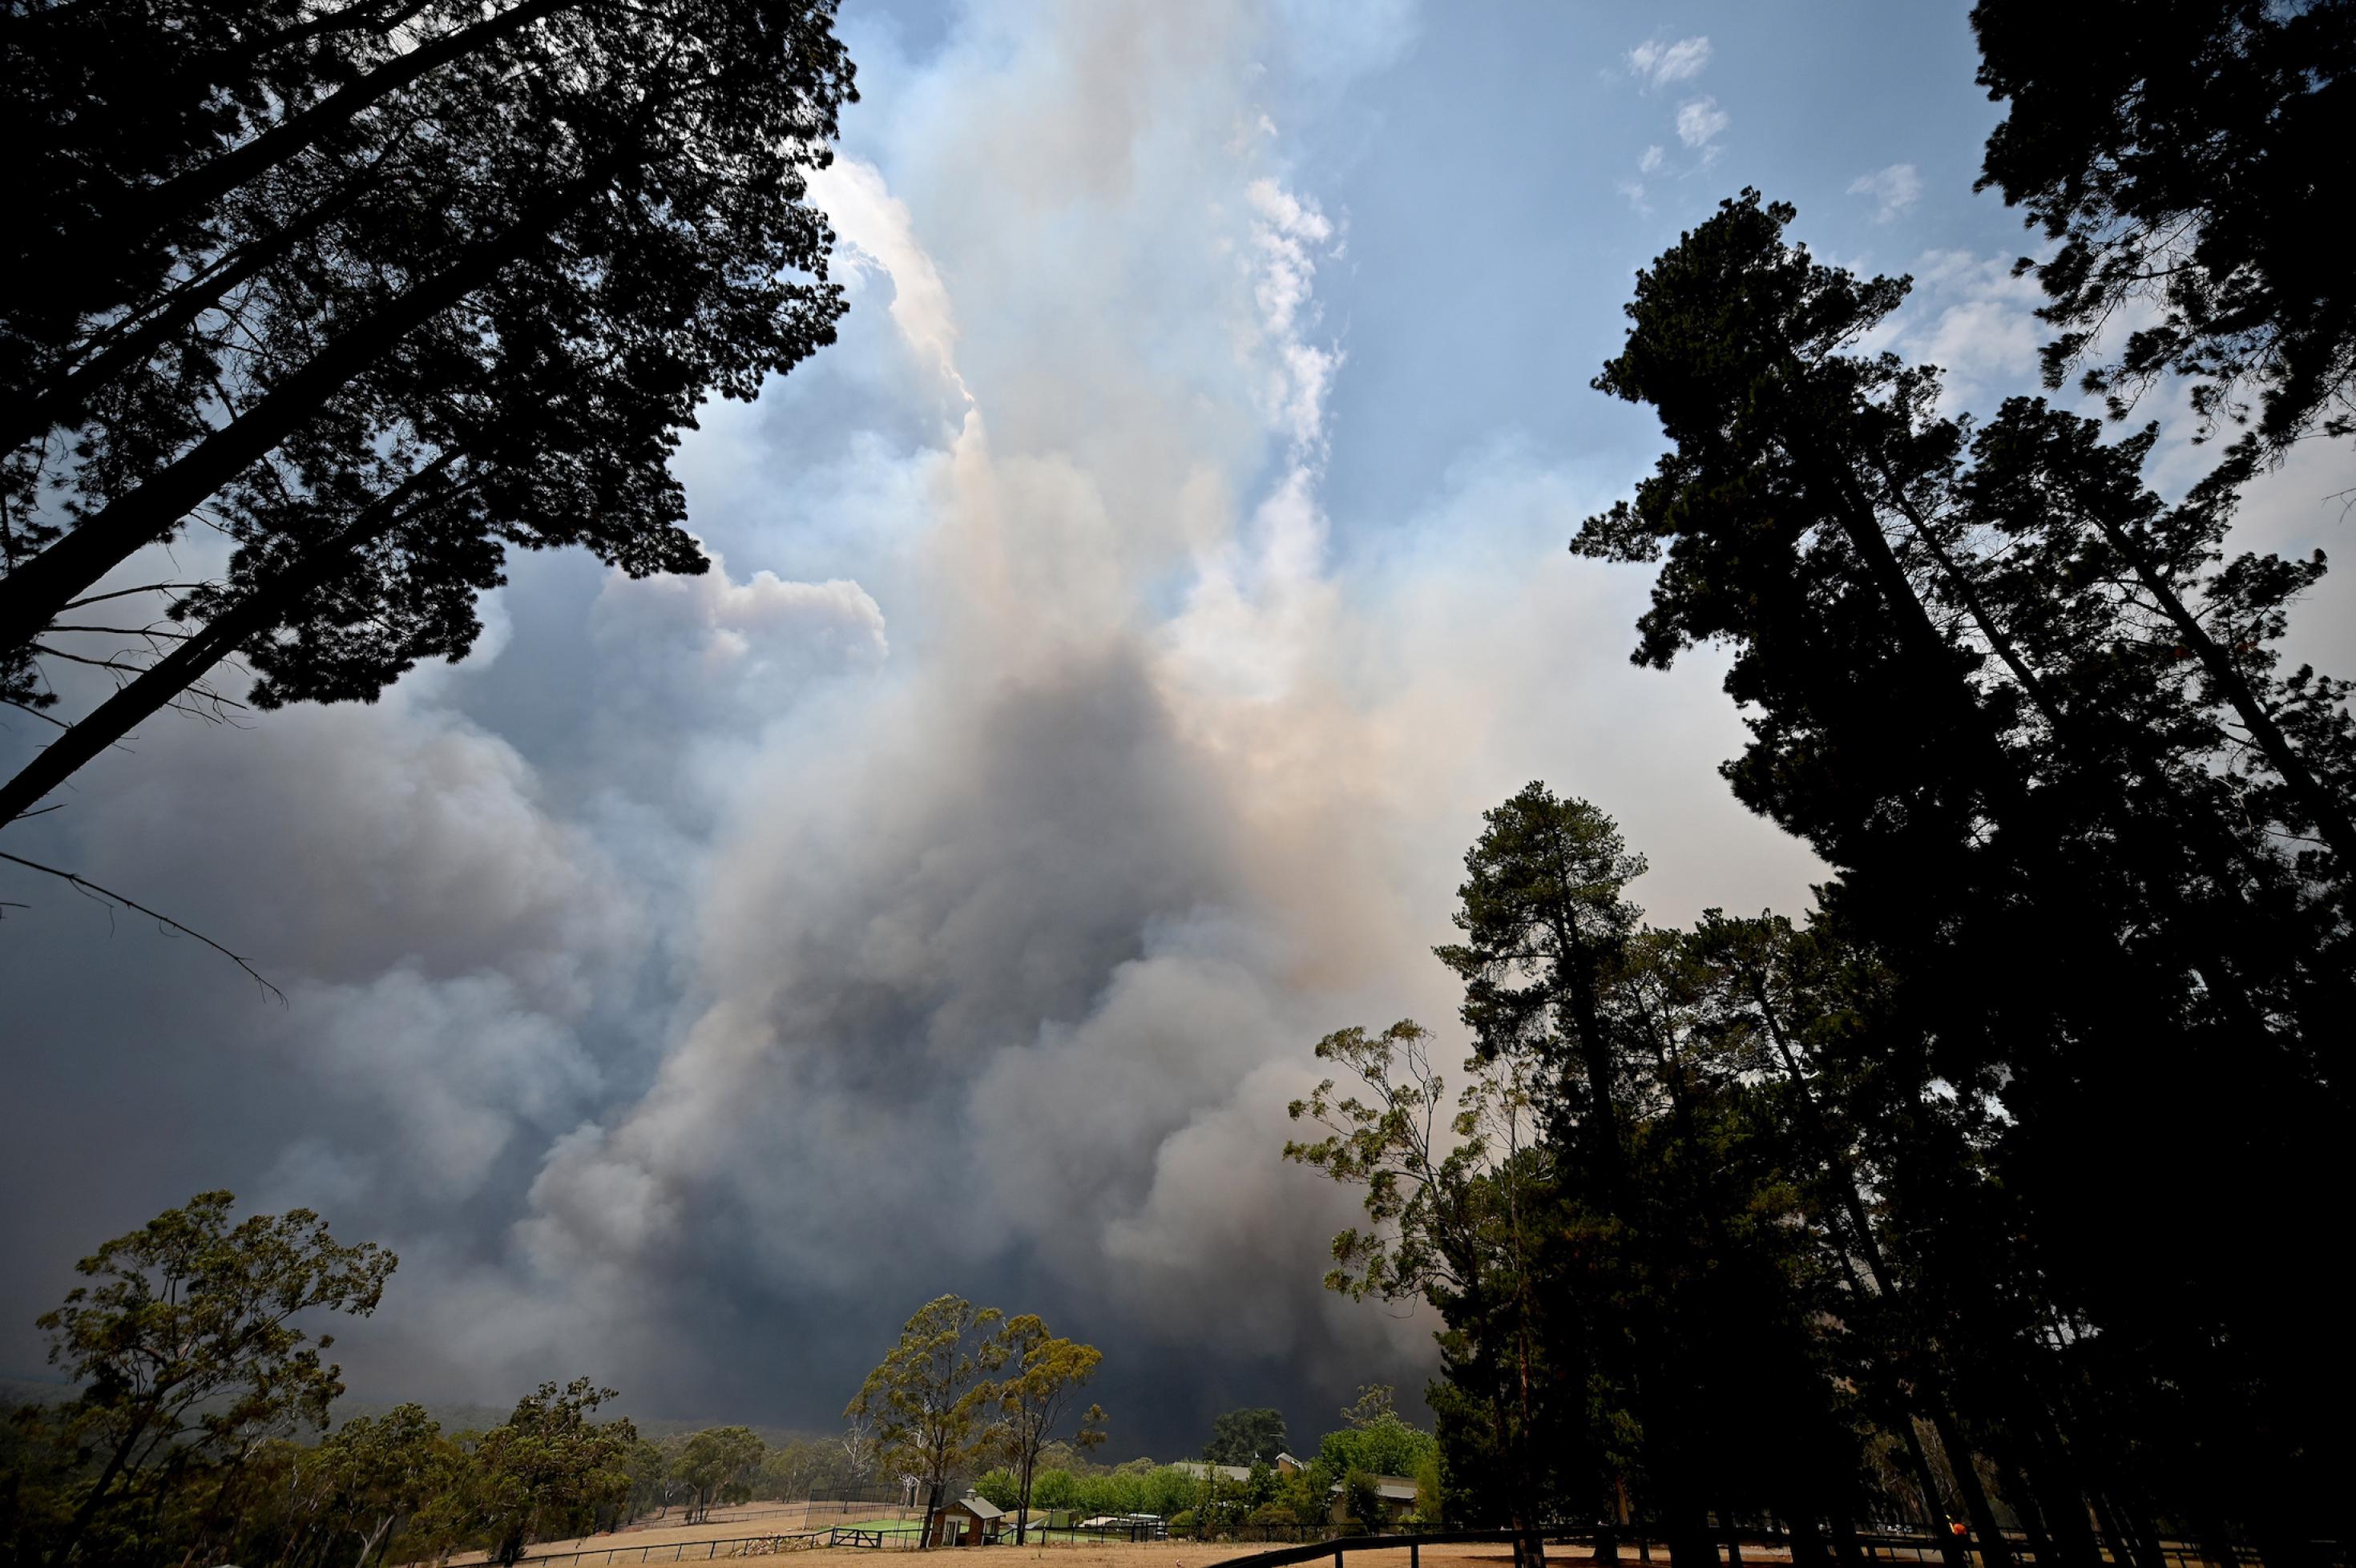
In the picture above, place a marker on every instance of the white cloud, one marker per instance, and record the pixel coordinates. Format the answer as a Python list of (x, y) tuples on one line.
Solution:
[(875, 231), (1657, 64), (1287, 232), (1651, 162), (1700, 122), (1893, 189), (1971, 317)]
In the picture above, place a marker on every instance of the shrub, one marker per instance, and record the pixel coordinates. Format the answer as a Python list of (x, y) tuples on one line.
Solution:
[(1053, 1489), (1002, 1488)]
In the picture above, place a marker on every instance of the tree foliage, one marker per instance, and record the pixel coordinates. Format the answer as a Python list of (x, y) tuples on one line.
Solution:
[(718, 1465), (2180, 156), (549, 1470), (377, 292), (186, 1351), (1246, 1437), (197, 1430), (387, 1470), (1044, 1376), (1914, 1174), (930, 1395)]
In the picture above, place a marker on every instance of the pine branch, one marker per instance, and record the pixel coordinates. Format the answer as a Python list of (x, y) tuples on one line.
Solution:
[(109, 897)]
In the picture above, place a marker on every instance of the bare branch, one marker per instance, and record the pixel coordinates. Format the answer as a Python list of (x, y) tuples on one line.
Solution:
[(127, 592), (28, 707), (110, 898), (50, 653)]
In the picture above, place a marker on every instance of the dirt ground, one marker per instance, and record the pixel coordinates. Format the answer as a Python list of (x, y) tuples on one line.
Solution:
[(757, 1519), (1190, 1554)]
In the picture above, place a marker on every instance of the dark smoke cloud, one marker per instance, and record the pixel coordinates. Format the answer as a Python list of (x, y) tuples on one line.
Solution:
[(944, 893)]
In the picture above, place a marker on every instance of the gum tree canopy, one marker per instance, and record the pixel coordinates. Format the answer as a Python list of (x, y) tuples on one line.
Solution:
[(375, 290), (185, 1345)]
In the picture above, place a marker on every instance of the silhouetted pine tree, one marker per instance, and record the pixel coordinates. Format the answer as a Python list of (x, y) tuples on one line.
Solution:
[(2088, 832)]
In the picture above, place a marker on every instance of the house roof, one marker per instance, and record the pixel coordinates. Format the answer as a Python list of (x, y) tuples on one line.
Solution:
[(1196, 1468), (1390, 1489), (1291, 1459), (979, 1507)]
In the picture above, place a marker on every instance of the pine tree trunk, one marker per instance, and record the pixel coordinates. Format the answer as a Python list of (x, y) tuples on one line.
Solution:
[(1607, 1540), (1847, 1551), (1993, 1549), (2061, 1496), (2026, 1507), (2330, 813), (1690, 1543), (148, 692), (2163, 841), (1807, 1541), (1951, 1550)]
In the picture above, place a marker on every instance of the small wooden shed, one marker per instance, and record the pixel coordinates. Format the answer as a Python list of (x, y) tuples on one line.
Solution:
[(969, 1522)]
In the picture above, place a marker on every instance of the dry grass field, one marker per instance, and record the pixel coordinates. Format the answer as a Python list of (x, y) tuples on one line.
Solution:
[(725, 1524), (659, 1541)]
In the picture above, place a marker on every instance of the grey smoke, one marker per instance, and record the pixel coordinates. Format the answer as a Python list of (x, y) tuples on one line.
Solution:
[(946, 892)]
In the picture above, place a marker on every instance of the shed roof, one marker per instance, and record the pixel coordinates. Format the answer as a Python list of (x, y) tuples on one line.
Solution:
[(979, 1507)]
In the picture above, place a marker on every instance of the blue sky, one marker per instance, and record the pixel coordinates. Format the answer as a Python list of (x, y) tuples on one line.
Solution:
[(1113, 641)]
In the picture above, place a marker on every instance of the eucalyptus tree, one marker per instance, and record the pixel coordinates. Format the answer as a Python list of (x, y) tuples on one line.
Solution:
[(717, 1464), (1044, 1376), (549, 1470), (1453, 1190), (930, 1395), (1246, 1437), (185, 1345), (386, 1468)]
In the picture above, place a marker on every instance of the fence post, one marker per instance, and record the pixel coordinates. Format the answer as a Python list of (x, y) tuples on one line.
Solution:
[(1415, 1554)]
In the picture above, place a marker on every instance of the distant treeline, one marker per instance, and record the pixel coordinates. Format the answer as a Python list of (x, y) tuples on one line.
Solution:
[(1373, 1441), (193, 1425)]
